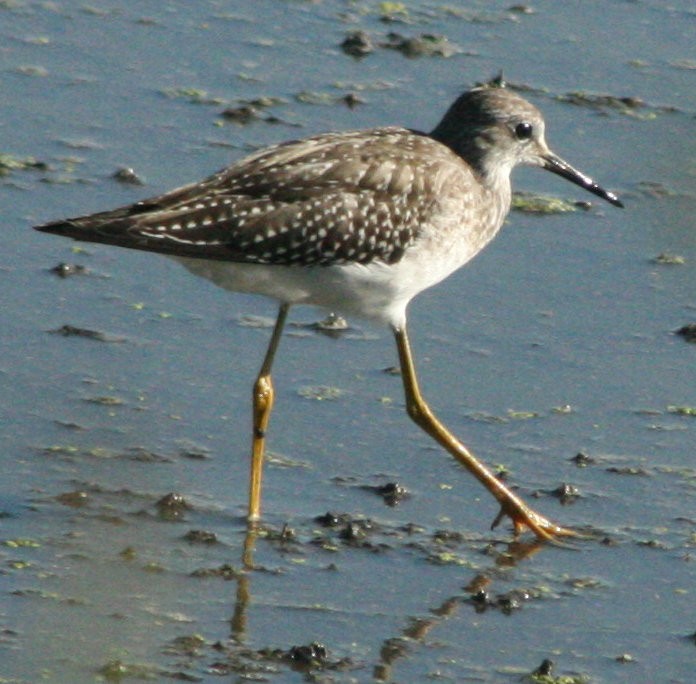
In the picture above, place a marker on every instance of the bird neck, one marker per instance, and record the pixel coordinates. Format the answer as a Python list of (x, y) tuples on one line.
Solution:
[(479, 151)]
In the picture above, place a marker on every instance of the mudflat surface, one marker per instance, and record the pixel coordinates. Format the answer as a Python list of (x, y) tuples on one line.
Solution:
[(559, 340)]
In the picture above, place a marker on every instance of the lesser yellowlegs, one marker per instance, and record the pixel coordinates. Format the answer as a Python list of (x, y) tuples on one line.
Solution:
[(357, 222)]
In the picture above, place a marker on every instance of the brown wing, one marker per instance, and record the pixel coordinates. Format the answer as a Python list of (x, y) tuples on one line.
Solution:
[(334, 198)]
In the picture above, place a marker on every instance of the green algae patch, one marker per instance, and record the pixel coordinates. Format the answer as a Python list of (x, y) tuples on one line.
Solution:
[(192, 95), (424, 45), (190, 645), (10, 163), (117, 670), (665, 259), (683, 410), (321, 392), (531, 203), (522, 415), (631, 106), (21, 543)]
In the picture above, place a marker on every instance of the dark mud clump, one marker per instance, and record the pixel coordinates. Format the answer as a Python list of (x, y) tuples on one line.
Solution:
[(357, 44), (172, 507), (688, 332), (64, 270), (73, 331)]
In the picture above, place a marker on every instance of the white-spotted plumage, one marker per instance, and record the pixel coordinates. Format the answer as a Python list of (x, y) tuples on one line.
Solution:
[(388, 211), (358, 222)]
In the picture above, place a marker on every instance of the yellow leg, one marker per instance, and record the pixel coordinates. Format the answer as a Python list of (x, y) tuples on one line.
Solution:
[(262, 405), (511, 505)]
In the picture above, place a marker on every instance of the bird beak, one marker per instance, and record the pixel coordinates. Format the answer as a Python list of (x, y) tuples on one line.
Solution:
[(555, 164)]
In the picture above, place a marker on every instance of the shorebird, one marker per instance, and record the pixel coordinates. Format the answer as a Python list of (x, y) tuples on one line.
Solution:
[(356, 222)]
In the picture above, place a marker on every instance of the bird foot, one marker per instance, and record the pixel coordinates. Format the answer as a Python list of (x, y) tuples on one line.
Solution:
[(524, 518)]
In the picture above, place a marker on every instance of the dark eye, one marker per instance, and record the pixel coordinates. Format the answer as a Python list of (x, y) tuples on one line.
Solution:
[(524, 130)]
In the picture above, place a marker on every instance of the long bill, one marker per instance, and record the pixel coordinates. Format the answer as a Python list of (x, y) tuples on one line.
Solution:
[(561, 168)]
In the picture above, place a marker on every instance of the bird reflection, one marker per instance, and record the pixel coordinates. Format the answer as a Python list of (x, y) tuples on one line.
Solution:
[(396, 648), (476, 592)]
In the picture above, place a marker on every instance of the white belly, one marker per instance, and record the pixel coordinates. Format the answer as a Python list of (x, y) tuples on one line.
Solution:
[(375, 291)]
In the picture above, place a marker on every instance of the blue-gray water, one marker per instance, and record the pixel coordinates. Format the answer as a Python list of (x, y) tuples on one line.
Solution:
[(562, 310)]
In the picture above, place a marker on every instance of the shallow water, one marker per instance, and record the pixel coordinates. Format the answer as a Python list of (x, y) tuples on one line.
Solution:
[(561, 311)]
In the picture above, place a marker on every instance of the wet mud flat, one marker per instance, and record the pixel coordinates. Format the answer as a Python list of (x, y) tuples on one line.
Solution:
[(124, 555)]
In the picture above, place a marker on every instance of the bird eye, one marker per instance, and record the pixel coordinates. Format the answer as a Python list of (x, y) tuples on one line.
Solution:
[(524, 130)]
